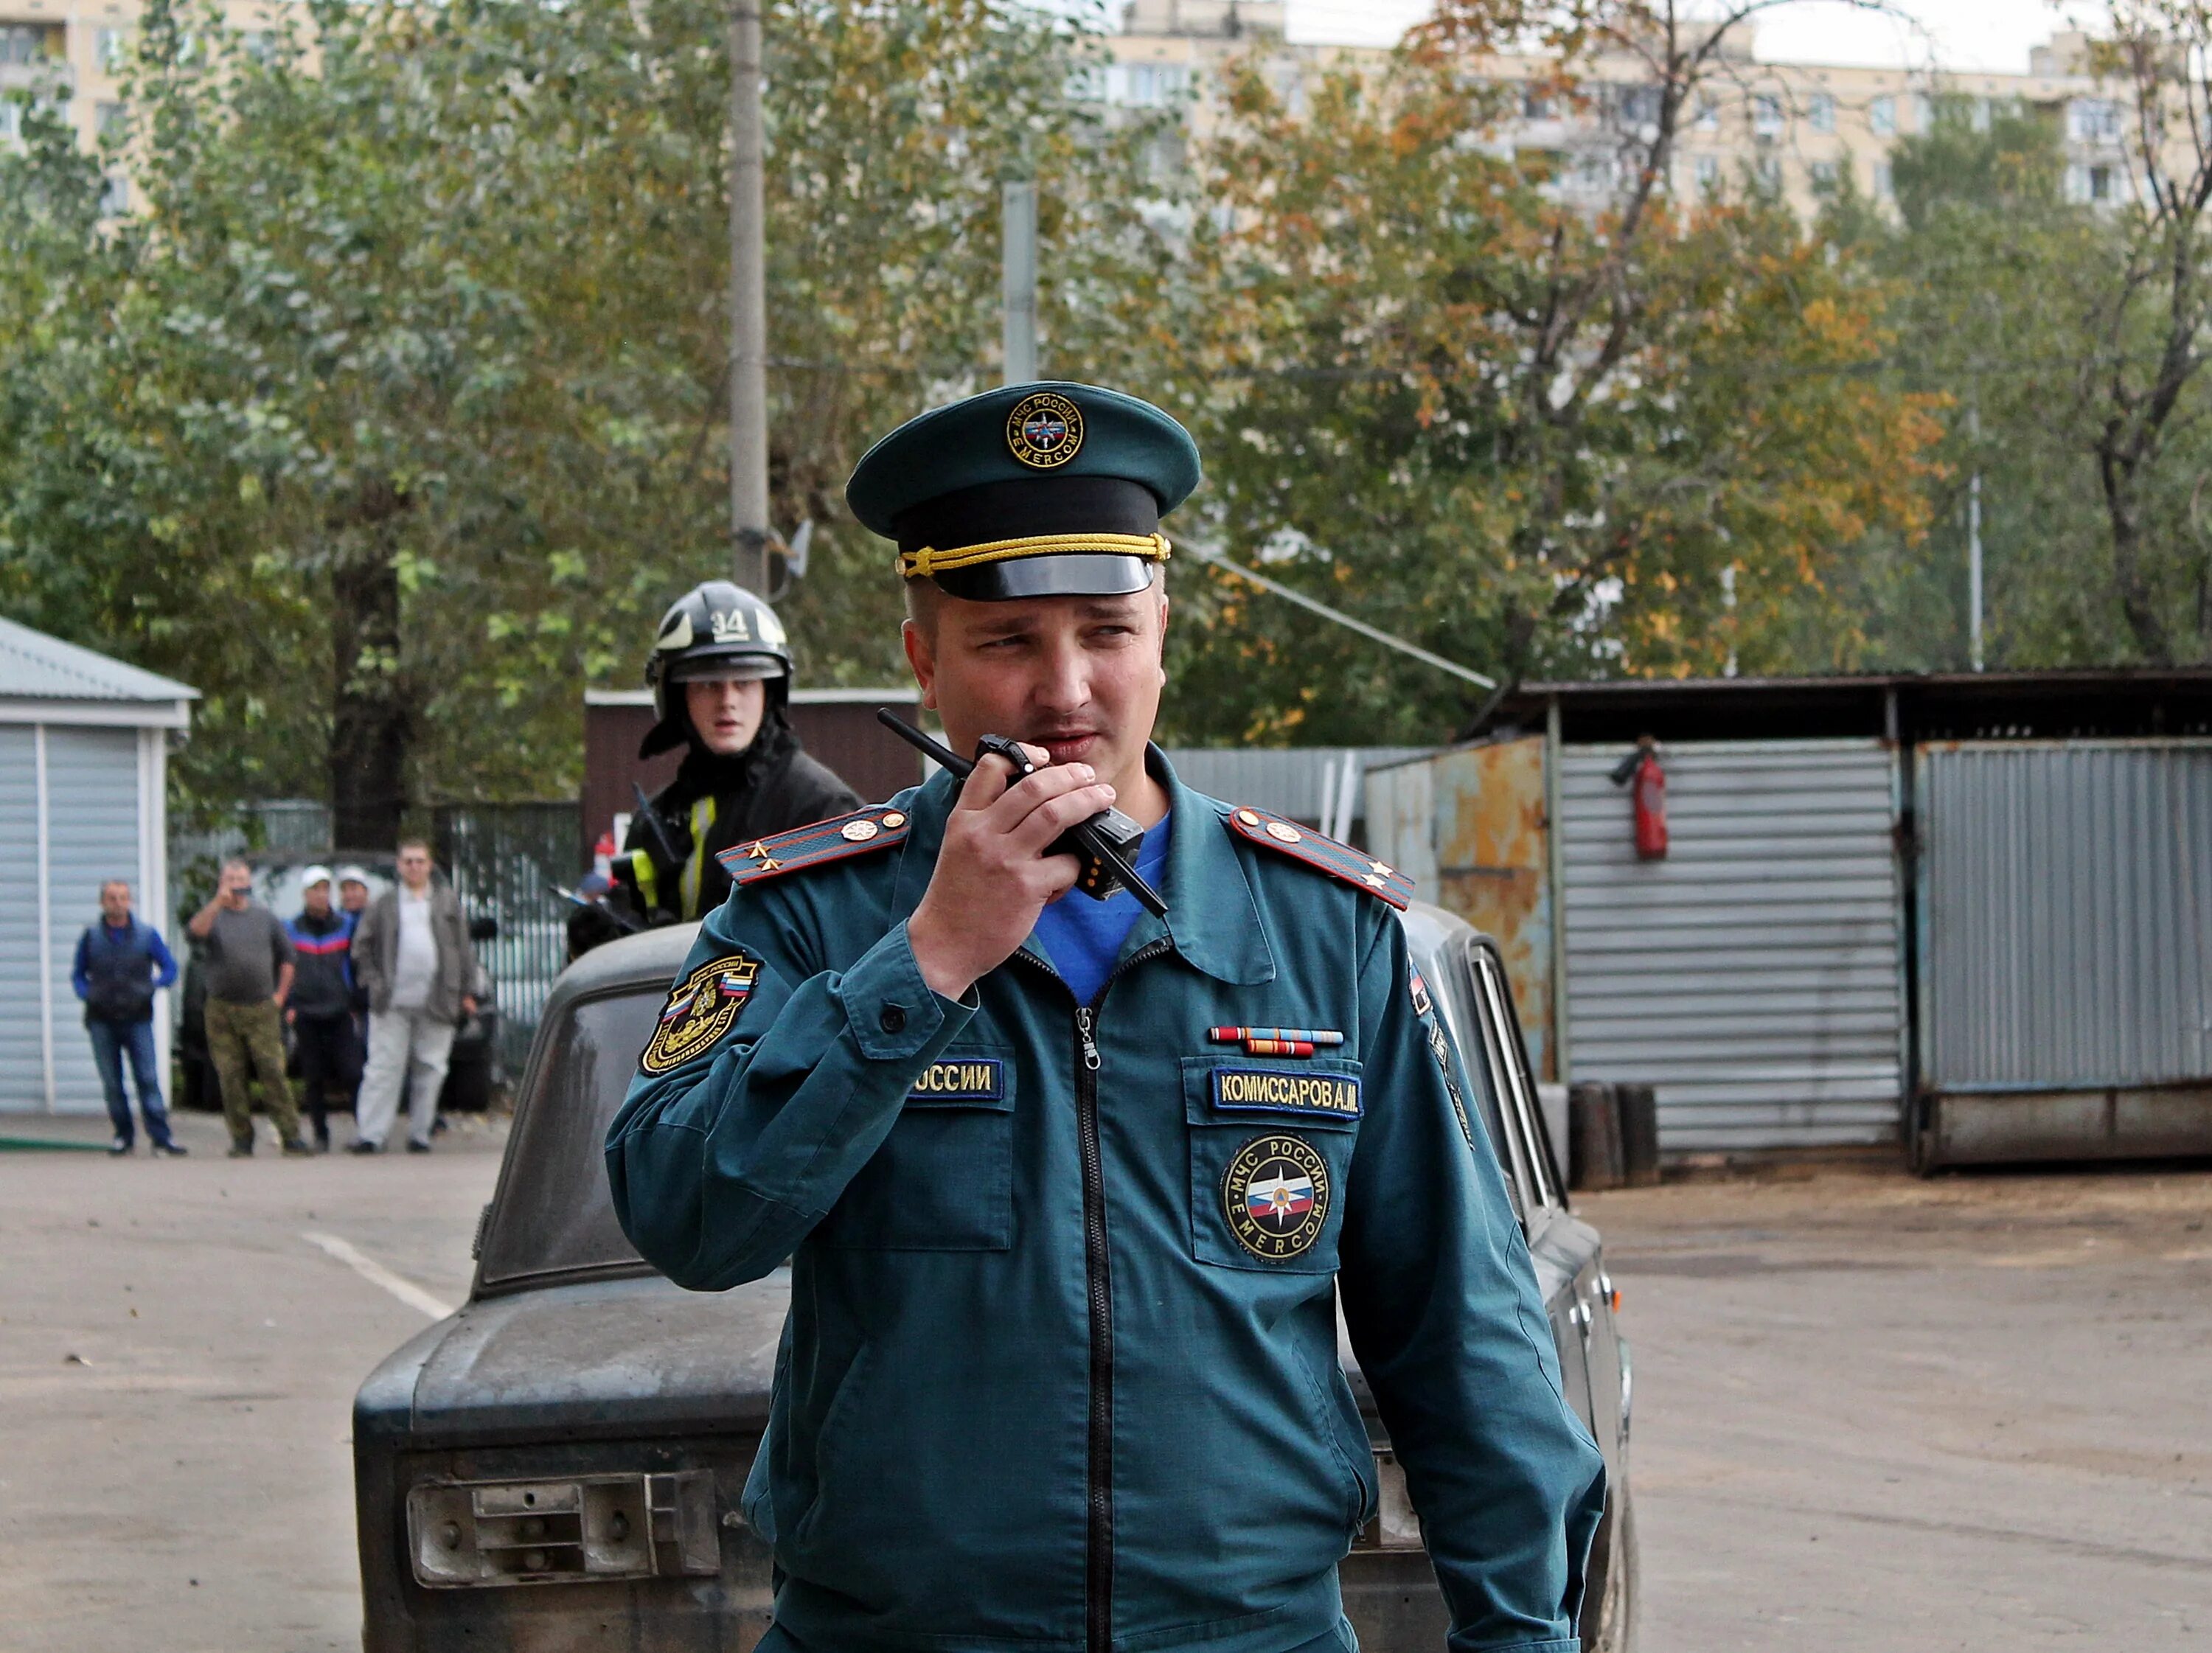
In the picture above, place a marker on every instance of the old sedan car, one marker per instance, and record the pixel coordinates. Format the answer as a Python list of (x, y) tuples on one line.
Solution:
[(559, 1464)]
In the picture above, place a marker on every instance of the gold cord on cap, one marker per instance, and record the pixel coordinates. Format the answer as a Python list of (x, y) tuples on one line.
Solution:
[(928, 560)]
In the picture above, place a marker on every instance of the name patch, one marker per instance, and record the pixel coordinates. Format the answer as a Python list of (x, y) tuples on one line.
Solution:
[(976, 1078), (1273, 1090)]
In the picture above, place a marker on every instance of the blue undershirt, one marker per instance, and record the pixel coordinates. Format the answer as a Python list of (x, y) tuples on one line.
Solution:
[(1081, 938)]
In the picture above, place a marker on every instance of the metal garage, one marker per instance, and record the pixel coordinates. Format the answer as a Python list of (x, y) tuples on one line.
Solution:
[(1755, 974), (83, 759)]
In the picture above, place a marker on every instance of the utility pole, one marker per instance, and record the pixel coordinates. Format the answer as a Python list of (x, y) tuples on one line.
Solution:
[(1974, 542), (749, 524), (1018, 281)]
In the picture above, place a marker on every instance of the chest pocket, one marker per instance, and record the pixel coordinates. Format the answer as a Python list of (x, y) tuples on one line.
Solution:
[(1271, 1145), (944, 1179)]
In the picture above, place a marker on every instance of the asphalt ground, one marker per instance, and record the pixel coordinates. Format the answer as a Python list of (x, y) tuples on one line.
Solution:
[(1882, 1414), (1871, 1413)]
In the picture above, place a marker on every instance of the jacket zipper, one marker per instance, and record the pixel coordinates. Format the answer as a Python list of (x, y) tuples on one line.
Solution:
[(1097, 1271)]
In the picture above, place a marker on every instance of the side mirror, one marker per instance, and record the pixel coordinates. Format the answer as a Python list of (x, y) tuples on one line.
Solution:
[(483, 929)]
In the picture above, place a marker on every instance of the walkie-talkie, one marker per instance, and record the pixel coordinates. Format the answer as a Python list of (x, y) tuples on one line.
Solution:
[(1105, 845)]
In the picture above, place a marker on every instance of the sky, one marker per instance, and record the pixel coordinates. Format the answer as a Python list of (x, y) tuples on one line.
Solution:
[(1961, 35)]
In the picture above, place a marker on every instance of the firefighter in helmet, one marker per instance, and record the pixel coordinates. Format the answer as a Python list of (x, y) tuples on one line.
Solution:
[(720, 676)]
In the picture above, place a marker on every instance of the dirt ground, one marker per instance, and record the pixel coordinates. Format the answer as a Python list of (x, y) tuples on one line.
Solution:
[(1870, 1413)]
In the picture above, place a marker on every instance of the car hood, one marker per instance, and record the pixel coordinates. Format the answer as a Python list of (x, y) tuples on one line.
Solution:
[(602, 1356)]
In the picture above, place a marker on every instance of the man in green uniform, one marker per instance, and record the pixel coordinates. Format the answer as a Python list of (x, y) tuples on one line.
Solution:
[(1067, 1226)]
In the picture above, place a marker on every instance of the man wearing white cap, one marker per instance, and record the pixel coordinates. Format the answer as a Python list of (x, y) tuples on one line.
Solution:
[(320, 1009)]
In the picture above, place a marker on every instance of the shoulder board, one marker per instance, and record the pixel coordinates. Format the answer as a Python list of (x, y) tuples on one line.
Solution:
[(1301, 843), (842, 836)]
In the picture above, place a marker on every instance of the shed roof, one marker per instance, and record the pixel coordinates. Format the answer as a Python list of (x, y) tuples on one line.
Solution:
[(2078, 704), (34, 666)]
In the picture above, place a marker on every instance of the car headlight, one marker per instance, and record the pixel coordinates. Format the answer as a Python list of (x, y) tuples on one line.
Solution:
[(571, 1531), (1395, 1527)]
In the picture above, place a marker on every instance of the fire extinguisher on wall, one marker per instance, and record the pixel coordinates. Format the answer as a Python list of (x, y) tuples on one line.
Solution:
[(1645, 777)]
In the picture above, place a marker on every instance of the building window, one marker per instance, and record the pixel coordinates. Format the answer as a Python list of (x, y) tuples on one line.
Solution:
[(1535, 105), (1147, 84), (115, 196), (1640, 106), (110, 48), (11, 121), (1709, 113), (1708, 173), (109, 119), (1767, 169), (1822, 112), (1882, 187), (1924, 114), (1290, 88), (2094, 120), (1978, 113), (2100, 183), (22, 44), (1881, 116), (1766, 115), (1823, 174)]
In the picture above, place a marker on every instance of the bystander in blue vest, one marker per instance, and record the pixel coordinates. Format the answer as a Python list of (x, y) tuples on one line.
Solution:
[(121, 963)]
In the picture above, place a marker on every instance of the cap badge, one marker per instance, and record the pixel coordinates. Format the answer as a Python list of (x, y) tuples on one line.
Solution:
[(1045, 430)]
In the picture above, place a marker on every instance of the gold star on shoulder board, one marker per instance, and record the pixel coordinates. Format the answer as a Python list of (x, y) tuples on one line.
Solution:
[(759, 853)]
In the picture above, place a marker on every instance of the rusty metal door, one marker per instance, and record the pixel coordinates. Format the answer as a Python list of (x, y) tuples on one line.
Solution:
[(1467, 826)]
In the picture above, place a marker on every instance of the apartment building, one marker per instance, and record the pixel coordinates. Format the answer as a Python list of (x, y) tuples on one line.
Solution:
[(1794, 128), (71, 52)]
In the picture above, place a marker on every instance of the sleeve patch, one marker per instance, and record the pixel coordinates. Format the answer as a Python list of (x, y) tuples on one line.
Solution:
[(702, 1009)]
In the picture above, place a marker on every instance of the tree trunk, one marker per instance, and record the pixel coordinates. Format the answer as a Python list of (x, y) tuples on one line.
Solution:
[(372, 722), (2137, 603)]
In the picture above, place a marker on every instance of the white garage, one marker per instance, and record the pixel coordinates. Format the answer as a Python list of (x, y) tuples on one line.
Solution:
[(84, 744)]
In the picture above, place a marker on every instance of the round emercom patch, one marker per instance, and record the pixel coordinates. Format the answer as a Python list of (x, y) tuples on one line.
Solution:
[(701, 1009), (1275, 1194), (1045, 430)]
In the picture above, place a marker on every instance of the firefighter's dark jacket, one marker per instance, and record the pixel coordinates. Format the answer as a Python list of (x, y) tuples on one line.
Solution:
[(715, 803), (1034, 1392)]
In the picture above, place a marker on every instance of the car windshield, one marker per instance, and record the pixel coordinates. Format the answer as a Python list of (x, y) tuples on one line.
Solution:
[(553, 1214)]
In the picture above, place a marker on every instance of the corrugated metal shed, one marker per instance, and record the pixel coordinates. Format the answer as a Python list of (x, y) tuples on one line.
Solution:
[(83, 753), (2069, 895), (34, 666), (1754, 976)]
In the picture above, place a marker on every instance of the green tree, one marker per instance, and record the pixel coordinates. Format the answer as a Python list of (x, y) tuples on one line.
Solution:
[(1529, 431), (394, 412)]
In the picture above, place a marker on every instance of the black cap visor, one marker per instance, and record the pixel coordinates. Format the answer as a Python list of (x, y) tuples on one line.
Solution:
[(1081, 573)]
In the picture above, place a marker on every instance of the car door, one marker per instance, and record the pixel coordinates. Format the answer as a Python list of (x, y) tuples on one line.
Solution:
[(1571, 1262)]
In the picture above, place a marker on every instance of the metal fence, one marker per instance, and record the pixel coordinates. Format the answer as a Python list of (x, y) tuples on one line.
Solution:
[(507, 862)]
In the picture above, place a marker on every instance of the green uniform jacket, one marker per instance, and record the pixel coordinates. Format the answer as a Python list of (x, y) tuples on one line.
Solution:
[(1034, 1391)]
